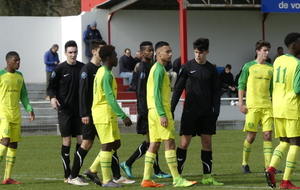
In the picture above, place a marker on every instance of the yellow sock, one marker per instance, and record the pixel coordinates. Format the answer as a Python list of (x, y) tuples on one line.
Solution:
[(246, 152), (2, 151), (10, 162), (105, 160), (291, 162), (267, 147), (149, 161), (278, 153), (172, 162), (96, 164)]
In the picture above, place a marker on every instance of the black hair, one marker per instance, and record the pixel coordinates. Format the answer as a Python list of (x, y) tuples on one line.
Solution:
[(94, 44), (262, 43), (54, 46), (201, 44), (291, 38), (10, 54), (145, 43), (106, 51), (279, 48), (228, 66), (126, 50), (161, 44), (70, 43)]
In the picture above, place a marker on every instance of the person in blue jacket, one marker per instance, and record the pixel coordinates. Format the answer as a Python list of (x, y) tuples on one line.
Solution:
[(91, 33), (51, 60)]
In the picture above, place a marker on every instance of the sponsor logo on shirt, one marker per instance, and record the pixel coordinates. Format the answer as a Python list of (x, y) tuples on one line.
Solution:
[(66, 75), (143, 75), (193, 71), (83, 75), (53, 74)]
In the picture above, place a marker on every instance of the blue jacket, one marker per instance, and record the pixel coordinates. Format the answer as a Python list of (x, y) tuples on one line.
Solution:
[(89, 35), (49, 60)]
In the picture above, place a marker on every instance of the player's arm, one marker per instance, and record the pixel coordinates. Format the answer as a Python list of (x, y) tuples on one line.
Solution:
[(84, 111), (216, 93), (111, 99), (297, 80), (242, 86), (53, 86), (159, 74), (179, 87), (141, 88), (25, 102)]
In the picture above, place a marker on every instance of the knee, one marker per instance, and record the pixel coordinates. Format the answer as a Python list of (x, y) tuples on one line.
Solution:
[(267, 136)]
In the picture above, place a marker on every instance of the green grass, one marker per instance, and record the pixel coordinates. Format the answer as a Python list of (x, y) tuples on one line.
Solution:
[(39, 166)]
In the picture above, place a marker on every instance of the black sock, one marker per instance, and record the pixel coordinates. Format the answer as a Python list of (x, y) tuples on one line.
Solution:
[(181, 156), (156, 165), (77, 146), (115, 166), (65, 156), (78, 161), (140, 151), (206, 157)]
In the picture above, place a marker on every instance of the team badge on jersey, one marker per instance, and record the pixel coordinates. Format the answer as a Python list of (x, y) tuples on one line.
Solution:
[(83, 75), (19, 81), (143, 75), (270, 73), (53, 74)]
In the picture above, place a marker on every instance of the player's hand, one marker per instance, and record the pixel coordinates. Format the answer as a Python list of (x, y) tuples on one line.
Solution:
[(54, 103), (243, 109), (85, 120), (164, 121), (127, 122), (32, 116)]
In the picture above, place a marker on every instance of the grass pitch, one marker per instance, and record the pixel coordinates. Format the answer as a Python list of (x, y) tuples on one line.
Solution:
[(39, 166)]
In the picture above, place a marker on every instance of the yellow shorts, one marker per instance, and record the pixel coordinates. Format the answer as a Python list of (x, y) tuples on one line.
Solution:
[(261, 116), (287, 127), (108, 132), (10, 130), (157, 132)]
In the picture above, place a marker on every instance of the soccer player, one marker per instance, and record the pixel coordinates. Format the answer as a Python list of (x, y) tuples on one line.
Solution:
[(13, 89), (142, 73), (105, 112), (256, 77), (201, 108), (286, 103), (64, 95), (161, 123)]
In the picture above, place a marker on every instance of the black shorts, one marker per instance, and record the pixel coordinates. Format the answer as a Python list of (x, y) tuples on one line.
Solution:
[(69, 125), (142, 125), (89, 131), (197, 125)]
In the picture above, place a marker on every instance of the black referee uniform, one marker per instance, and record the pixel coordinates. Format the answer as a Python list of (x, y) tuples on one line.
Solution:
[(202, 101)]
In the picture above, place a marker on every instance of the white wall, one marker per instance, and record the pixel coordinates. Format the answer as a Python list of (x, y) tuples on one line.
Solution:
[(232, 34)]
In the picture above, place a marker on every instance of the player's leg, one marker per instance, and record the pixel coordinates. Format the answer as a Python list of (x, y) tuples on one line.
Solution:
[(251, 127), (266, 127), (181, 151)]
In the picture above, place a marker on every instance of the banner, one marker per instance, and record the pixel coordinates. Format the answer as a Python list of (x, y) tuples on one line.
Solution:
[(280, 6)]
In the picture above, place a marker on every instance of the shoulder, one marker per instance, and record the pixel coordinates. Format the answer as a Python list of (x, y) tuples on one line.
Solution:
[(19, 73)]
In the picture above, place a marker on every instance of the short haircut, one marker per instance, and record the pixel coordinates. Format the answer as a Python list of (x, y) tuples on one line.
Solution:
[(54, 46), (10, 54), (144, 44), (228, 66), (94, 44), (161, 44), (201, 44), (291, 38), (126, 50), (106, 51), (262, 43), (279, 48), (70, 43)]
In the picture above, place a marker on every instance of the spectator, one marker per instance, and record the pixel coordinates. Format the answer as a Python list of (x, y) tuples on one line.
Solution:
[(51, 59), (138, 57), (227, 83), (127, 64), (91, 33), (279, 53), (171, 74)]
